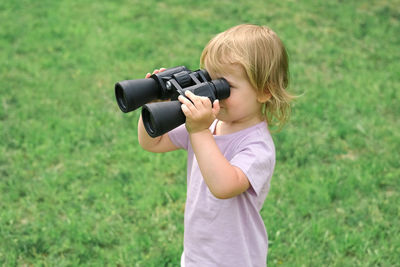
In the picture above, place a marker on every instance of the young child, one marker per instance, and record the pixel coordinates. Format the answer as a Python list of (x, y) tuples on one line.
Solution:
[(231, 155)]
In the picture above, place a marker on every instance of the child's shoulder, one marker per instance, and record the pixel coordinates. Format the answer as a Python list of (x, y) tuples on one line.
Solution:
[(258, 133)]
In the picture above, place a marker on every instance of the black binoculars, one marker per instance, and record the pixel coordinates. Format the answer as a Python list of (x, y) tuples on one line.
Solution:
[(161, 117)]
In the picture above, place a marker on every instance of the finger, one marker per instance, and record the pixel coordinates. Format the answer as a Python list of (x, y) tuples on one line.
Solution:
[(187, 103), (162, 69), (206, 101), (156, 71), (194, 98), (183, 99), (189, 94), (148, 75), (216, 107), (185, 110)]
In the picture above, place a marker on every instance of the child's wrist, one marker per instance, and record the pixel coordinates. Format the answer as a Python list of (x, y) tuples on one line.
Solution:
[(199, 132), (196, 128)]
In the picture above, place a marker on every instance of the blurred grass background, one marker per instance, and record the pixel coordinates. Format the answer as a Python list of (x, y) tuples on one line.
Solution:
[(77, 190)]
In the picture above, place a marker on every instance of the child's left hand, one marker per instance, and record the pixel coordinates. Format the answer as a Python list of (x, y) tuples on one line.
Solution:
[(199, 113)]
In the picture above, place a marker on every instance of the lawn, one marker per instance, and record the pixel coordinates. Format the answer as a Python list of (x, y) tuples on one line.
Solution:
[(76, 189)]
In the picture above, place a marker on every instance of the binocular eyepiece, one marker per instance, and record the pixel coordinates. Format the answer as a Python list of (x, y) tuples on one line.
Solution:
[(161, 117)]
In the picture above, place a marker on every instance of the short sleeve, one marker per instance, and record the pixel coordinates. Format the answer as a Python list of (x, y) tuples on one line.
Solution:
[(257, 161), (179, 136)]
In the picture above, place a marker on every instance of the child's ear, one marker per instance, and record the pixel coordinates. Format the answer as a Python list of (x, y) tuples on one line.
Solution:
[(264, 96)]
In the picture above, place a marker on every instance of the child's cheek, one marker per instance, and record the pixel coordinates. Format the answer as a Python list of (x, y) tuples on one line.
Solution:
[(227, 103)]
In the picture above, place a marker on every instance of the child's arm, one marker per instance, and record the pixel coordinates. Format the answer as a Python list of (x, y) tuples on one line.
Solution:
[(223, 179), (158, 144)]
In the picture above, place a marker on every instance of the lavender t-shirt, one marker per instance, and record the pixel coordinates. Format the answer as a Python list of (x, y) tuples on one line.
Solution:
[(228, 232)]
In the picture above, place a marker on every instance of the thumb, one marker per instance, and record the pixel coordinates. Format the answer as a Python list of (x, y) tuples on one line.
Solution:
[(216, 107)]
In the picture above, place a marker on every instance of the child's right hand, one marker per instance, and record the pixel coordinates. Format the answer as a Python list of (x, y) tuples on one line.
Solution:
[(199, 111), (155, 72)]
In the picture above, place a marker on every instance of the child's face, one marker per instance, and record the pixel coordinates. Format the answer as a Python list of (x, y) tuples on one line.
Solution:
[(242, 106)]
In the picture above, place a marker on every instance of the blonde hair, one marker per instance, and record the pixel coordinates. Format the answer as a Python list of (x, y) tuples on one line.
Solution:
[(263, 56)]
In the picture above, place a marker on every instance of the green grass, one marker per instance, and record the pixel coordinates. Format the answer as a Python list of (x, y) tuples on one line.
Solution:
[(76, 188)]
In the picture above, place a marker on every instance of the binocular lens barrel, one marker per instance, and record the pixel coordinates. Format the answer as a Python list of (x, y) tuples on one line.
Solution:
[(159, 118), (132, 94)]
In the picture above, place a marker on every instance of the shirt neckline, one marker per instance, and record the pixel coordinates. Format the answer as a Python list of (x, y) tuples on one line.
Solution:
[(214, 126)]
